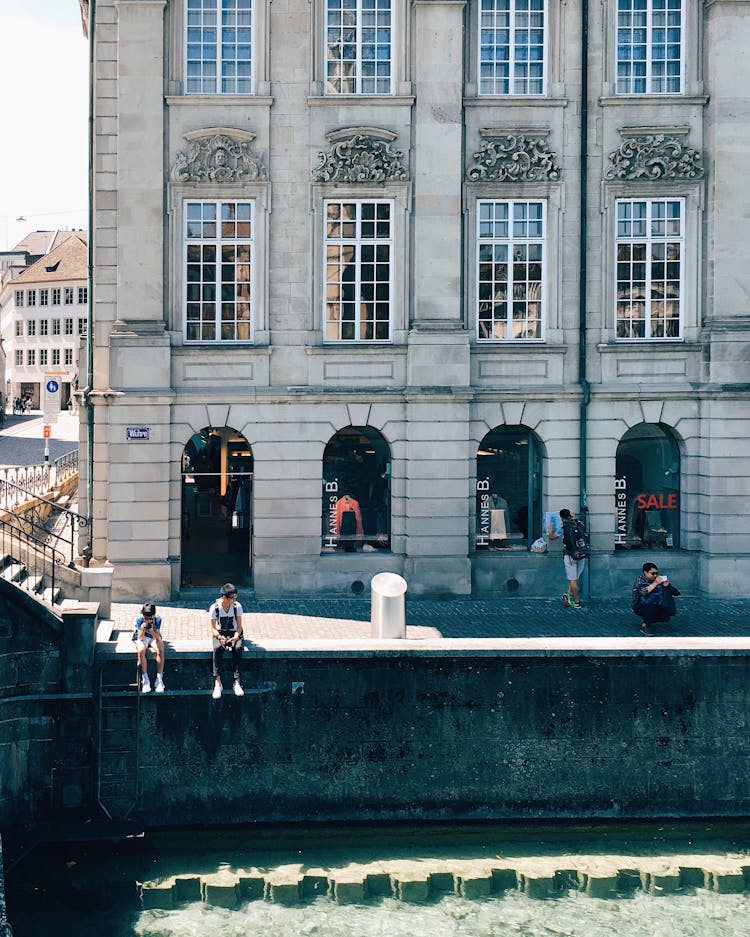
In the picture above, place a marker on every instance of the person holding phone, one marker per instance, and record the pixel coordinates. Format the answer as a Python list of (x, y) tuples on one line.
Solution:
[(653, 597), (147, 636)]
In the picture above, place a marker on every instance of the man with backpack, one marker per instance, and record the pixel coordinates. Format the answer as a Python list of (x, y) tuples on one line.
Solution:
[(225, 620), (575, 552)]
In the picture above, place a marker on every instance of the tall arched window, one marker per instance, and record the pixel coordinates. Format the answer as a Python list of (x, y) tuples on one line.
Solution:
[(356, 492), (508, 496), (647, 489)]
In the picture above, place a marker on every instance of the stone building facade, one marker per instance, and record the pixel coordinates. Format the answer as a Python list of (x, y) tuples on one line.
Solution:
[(379, 284)]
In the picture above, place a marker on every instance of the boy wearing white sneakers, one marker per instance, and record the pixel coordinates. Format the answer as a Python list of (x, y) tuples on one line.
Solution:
[(225, 620), (147, 635)]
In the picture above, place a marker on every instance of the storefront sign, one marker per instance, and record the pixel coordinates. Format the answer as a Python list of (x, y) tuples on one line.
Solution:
[(649, 502), (483, 533), (621, 510), (137, 432), (331, 493)]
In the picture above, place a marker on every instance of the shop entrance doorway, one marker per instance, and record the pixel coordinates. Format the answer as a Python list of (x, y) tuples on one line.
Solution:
[(217, 517)]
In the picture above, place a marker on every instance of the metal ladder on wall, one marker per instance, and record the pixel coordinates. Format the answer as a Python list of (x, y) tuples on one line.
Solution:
[(118, 746)]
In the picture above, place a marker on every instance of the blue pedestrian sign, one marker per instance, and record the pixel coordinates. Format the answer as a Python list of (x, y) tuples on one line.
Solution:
[(51, 402)]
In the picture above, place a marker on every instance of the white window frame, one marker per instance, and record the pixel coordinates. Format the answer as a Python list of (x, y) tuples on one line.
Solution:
[(19, 357), (83, 295), (82, 323), (626, 85), (512, 241), (55, 326), (19, 328), (649, 240), (55, 295), (42, 357), (19, 299), (31, 327), (218, 241), (55, 356), (44, 297), (68, 325), (358, 242), (514, 85), (68, 356), (31, 357), (44, 326), (68, 296), (223, 58), (359, 44), (31, 298)]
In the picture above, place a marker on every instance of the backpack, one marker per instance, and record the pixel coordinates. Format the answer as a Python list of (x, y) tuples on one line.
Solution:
[(576, 540)]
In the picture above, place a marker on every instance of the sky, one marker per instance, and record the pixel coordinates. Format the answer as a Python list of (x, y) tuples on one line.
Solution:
[(43, 116)]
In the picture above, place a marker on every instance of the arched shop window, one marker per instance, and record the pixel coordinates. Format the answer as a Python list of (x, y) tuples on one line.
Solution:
[(508, 497), (356, 492), (647, 489)]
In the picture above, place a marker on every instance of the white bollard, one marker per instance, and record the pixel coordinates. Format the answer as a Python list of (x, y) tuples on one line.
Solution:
[(388, 606)]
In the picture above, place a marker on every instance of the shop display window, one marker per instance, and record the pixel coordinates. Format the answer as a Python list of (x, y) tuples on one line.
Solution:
[(356, 492), (647, 489), (508, 489)]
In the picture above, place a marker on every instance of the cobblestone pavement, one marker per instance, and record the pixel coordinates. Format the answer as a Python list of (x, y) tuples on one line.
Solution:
[(22, 443), (321, 618)]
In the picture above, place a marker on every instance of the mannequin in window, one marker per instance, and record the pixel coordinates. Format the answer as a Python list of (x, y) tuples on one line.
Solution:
[(348, 521)]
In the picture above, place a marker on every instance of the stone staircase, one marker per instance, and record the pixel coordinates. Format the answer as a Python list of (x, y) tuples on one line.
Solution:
[(32, 580)]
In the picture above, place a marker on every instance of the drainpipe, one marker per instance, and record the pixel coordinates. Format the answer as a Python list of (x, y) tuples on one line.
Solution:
[(86, 397), (582, 378)]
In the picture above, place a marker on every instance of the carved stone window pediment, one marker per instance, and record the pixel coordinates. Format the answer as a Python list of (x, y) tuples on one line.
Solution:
[(360, 154), (651, 153), (513, 156), (218, 155)]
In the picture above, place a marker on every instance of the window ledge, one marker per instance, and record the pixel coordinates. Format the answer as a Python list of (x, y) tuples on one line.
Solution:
[(637, 345), (514, 100), (609, 100), (227, 100), (535, 345), (370, 100), (195, 349), (348, 348)]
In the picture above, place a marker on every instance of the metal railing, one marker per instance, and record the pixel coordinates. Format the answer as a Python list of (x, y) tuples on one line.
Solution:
[(35, 480), (38, 559), (50, 523)]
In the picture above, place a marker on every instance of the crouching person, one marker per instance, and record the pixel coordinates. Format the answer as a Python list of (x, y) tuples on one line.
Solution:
[(653, 598), (147, 636), (225, 619)]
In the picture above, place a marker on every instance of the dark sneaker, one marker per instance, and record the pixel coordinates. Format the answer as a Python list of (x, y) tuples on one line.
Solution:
[(566, 600)]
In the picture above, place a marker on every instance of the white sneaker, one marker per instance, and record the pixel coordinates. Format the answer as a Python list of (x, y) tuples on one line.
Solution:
[(159, 685), (217, 690), (145, 684), (238, 691)]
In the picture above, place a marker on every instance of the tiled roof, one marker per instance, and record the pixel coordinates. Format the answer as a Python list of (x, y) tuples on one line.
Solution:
[(67, 261)]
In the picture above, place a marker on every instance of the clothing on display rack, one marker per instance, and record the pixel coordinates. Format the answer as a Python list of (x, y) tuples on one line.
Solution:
[(348, 518)]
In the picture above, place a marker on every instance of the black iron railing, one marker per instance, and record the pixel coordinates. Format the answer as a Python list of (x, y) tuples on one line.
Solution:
[(44, 520), (30, 563)]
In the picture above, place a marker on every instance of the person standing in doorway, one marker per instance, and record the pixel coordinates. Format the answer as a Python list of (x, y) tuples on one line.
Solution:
[(575, 552), (225, 619)]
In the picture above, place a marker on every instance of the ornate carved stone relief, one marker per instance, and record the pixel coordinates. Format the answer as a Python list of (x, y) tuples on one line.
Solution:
[(654, 155), (218, 155), (360, 154), (514, 155)]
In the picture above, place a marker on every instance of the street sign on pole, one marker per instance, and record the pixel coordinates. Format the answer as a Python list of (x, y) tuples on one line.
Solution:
[(51, 401)]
